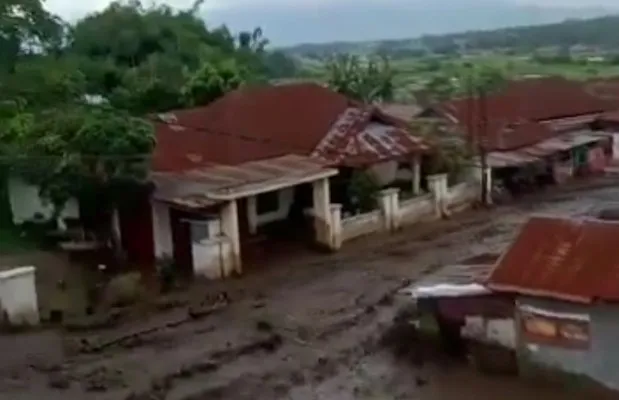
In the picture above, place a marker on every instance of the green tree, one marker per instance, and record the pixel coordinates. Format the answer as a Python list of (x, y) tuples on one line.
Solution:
[(93, 154), (369, 82), (25, 26), (212, 81)]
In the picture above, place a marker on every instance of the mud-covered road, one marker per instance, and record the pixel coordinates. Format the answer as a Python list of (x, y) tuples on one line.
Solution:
[(305, 329)]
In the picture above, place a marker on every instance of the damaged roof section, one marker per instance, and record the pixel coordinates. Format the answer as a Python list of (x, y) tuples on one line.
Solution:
[(567, 259), (354, 139), (259, 123)]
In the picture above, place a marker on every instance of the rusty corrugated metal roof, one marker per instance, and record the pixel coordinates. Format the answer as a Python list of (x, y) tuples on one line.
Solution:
[(355, 139), (218, 182), (534, 153), (568, 259), (524, 103), (258, 123)]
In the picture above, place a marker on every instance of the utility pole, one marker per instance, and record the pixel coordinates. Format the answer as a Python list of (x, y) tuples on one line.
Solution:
[(483, 154), (477, 127)]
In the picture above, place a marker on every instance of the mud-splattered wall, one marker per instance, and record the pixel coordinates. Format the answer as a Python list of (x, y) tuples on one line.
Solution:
[(596, 359)]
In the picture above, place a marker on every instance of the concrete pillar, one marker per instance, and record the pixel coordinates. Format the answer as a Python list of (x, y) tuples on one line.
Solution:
[(477, 174), (336, 226), (252, 215), (230, 228), (488, 199), (615, 146), (416, 168), (162, 230), (322, 212), (437, 185), (389, 203)]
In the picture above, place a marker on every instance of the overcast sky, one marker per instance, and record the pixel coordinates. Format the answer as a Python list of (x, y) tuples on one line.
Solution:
[(71, 8)]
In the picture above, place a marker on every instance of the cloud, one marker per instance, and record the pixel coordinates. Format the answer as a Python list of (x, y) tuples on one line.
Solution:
[(71, 9)]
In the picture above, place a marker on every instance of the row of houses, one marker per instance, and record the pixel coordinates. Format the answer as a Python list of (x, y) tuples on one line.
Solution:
[(545, 308), (263, 169), (539, 130)]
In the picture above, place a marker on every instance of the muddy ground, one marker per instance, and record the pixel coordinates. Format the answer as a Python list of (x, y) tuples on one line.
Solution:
[(306, 329)]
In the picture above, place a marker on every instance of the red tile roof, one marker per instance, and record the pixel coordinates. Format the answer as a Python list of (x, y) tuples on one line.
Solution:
[(568, 259), (259, 123), (525, 102)]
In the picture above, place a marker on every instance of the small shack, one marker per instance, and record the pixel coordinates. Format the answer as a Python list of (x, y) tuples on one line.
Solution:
[(564, 277), (470, 319)]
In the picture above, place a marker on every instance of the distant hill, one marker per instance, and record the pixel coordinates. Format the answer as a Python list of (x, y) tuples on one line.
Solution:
[(598, 32), (287, 23)]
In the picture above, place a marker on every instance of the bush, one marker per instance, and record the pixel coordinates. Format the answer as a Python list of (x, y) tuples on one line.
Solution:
[(123, 290)]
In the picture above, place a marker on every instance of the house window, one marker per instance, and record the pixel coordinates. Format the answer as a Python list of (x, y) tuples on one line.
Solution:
[(267, 203)]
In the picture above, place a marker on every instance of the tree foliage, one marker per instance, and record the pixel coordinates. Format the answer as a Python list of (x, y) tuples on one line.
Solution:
[(133, 60), (451, 153), (25, 26), (370, 81), (463, 81)]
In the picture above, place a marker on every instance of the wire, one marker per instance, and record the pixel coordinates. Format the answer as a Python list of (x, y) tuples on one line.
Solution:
[(172, 125)]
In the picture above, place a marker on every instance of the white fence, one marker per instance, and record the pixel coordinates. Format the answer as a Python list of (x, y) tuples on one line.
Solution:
[(394, 214)]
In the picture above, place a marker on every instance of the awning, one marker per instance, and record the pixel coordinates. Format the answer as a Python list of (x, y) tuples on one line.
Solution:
[(207, 186), (536, 152), (452, 281)]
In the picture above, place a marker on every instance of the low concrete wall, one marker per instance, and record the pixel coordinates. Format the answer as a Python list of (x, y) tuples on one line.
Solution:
[(213, 258), (18, 296), (394, 214), (417, 209), (362, 224), (462, 195)]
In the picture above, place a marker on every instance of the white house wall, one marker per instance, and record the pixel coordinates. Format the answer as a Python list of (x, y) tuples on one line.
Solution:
[(162, 230), (18, 296), (286, 198), (26, 203)]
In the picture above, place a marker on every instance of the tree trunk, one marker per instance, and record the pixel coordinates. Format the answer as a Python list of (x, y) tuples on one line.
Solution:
[(6, 214)]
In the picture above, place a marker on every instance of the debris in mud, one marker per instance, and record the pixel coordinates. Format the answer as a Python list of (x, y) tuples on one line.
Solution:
[(184, 372), (122, 290), (270, 344), (386, 300), (297, 378), (324, 368), (59, 380), (205, 308), (264, 326), (420, 382), (259, 304), (169, 302), (108, 319), (204, 367), (102, 379), (403, 338)]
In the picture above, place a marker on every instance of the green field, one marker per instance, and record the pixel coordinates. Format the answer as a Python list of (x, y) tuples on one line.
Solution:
[(413, 73)]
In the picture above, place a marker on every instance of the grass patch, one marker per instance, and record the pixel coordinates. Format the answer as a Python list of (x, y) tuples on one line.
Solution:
[(13, 242)]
